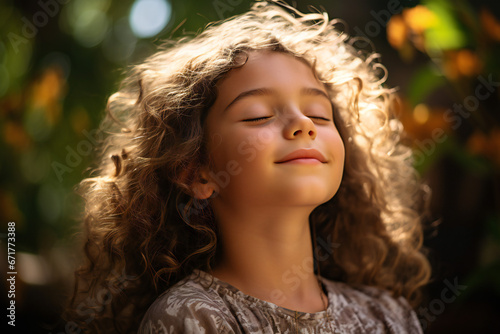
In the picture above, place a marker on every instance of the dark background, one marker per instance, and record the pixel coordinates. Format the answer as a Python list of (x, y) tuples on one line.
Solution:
[(60, 60)]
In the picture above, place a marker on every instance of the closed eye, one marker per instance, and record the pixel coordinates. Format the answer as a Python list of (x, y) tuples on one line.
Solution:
[(256, 119), (321, 118)]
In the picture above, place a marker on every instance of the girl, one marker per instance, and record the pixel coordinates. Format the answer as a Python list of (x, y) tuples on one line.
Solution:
[(257, 185)]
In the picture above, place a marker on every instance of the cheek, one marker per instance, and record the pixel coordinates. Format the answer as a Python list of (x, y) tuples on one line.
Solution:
[(239, 158), (219, 151), (340, 148), (337, 148), (230, 151), (332, 136), (246, 147)]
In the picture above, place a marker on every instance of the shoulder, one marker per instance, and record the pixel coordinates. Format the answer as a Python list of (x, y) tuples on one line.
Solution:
[(187, 307), (383, 298), (377, 303)]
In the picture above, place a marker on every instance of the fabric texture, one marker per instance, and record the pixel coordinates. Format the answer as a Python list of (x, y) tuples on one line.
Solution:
[(201, 303)]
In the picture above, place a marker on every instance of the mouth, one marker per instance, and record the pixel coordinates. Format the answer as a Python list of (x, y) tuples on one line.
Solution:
[(303, 156)]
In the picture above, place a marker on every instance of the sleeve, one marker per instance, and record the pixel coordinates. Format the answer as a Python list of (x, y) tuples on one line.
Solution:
[(169, 314), (409, 316), (398, 315)]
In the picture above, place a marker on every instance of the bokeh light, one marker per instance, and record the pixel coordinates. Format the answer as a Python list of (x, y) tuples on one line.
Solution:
[(87, 21), (91, 27), (120, 41), (421, 113), (149, 17)]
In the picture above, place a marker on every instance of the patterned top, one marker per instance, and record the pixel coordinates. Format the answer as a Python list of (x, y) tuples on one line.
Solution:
[(201, 303)]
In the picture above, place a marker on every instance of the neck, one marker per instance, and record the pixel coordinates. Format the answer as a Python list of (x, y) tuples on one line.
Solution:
[(268, 254)]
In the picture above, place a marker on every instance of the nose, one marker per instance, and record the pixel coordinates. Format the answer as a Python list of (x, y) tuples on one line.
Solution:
[(299, 125)]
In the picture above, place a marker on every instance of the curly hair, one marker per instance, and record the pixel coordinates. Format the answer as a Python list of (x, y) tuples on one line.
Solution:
[(144, 231)]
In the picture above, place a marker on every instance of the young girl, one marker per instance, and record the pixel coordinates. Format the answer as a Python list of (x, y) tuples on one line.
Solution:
[(257, 184)]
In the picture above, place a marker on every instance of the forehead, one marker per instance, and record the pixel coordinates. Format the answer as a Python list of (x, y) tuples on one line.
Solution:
[(267, 69)]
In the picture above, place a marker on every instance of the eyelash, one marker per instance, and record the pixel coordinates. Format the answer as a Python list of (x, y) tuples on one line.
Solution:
[(256, 119), (321, 118), (266, 117)]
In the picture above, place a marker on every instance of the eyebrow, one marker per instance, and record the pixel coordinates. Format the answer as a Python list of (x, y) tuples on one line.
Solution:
[(269, 91)]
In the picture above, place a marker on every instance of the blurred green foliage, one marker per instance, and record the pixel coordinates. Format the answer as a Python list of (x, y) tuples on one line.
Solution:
[(455, 47), (60, 60)]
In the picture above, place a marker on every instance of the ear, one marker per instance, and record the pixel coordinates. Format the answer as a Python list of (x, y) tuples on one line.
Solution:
[(204, 186)]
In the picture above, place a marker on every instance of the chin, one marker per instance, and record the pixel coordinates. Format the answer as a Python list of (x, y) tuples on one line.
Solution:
[(312, 196)]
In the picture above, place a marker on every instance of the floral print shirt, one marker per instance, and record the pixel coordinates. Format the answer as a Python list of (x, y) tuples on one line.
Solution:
[(201, 303)]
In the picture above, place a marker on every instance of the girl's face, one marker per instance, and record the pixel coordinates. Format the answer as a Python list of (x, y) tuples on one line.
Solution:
[(271, 135)]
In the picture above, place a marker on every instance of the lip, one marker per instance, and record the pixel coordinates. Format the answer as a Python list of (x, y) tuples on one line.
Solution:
[(303, 155)]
